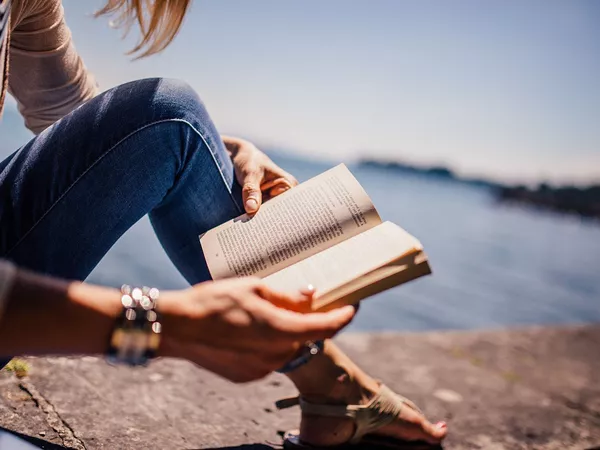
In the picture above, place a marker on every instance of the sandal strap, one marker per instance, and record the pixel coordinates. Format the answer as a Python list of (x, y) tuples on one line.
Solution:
[(316, 409), (383, 409), (288, 402)]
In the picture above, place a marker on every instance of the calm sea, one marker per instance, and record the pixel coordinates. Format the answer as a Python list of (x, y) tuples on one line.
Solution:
[(493, 265)]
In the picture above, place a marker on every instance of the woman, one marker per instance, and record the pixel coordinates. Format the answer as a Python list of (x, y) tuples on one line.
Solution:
[(98, 164)]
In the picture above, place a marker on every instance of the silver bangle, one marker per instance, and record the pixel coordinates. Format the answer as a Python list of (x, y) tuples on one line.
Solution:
[(136, 334)]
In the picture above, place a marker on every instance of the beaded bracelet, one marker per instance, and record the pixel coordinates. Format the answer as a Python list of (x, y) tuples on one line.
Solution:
[(136, 334)]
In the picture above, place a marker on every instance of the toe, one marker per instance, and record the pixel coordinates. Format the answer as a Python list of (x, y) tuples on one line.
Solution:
[(434, 433), (415, 427)]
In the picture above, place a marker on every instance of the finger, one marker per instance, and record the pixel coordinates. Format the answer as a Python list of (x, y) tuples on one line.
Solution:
[(310, 326), (308, 290), (289, 177), (300, 303), (273, 171), (251, 193), (281, 181), (278, 190)]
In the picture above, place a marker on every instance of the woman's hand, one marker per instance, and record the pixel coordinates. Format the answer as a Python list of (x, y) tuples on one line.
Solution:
[(259, 177), (240, 328)]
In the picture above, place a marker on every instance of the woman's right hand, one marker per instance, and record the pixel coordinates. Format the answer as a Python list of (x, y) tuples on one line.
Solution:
[(240, 328)]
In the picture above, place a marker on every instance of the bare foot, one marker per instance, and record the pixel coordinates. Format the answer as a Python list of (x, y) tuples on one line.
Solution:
[(332, 378)]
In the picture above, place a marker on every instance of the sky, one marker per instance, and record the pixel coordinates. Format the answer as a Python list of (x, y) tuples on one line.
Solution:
[(508, 89)]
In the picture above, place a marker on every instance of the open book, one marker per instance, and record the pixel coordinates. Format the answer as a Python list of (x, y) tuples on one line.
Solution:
[(325, 232)]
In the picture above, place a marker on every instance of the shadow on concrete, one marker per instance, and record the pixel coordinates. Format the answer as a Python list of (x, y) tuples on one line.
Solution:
[(19, 441), (406, 446), (247, 447)]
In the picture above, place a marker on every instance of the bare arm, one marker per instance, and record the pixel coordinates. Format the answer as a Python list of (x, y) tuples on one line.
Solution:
[(49, 316), (237, 328)]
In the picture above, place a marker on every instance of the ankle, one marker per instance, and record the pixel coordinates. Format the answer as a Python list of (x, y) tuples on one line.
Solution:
[(331, 377)]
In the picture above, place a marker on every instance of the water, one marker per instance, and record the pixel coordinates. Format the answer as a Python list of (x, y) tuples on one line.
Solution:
[(493, 265)]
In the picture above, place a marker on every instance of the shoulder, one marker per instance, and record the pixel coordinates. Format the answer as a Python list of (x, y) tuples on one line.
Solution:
[(31, 12)]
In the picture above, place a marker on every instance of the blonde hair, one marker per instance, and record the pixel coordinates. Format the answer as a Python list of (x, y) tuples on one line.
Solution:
[(159, 21)]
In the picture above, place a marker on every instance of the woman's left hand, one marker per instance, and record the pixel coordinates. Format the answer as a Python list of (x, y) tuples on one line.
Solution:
[(259, 177)]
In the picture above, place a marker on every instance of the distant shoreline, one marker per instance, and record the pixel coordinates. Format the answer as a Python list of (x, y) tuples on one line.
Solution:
[(583, 201)]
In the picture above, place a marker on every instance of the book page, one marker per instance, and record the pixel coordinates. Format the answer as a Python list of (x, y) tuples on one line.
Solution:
[(348, 261), (305, 220)]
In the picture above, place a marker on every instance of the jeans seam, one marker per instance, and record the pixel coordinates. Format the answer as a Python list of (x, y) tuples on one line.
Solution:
[(215, 160), (103, 155)]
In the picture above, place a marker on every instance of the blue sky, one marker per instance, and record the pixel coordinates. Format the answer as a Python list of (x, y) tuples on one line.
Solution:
[(508, 89)]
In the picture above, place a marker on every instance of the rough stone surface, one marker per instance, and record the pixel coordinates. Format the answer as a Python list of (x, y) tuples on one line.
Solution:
[(535, 388), (20, 413)]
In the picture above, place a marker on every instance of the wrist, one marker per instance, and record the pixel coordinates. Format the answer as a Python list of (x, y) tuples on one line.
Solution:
[(234, 144), (183, 314), (169, 307), (102, 300), (92, 311)]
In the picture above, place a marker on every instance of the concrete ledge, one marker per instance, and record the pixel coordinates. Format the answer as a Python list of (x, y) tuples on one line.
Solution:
[(511, 389)]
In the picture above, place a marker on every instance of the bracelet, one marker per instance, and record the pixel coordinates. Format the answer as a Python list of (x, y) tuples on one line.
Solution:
[(136, 334), (311, 349)]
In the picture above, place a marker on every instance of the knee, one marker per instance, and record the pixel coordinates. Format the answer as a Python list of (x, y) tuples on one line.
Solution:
[(160, 105), (176, 99), (159, 99)]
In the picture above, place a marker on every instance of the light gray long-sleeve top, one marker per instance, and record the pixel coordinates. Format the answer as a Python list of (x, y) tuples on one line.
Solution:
[(42, 68)]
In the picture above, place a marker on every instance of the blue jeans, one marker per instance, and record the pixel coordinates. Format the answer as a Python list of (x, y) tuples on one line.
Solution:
[(146, 147)]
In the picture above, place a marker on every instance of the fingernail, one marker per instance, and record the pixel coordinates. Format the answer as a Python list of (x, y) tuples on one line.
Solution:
[(441, 424), (251, 204)]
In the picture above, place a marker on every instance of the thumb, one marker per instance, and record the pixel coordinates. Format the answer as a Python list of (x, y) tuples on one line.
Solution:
[(251, 193)]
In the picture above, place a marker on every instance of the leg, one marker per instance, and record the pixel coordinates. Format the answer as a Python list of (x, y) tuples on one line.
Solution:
[(333, 378), (143, 147)]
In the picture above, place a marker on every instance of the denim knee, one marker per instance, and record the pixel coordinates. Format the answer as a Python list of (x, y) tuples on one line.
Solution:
[(176, 99), (152, 102), (149, 101)]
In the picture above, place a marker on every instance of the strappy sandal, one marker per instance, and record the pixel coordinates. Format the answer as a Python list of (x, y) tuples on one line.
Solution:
[(383, 409)]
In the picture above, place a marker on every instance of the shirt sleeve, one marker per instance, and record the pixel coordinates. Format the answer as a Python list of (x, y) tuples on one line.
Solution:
[(47, 77), (7, 277)]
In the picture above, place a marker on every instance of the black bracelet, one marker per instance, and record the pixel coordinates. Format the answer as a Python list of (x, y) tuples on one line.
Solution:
[(136, 334), (310, 349)]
